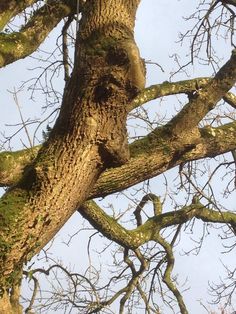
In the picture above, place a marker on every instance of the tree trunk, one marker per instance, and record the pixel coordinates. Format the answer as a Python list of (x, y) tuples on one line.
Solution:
[(89, 136), (9, 303)]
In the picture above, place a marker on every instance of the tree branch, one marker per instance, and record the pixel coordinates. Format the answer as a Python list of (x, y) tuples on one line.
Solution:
[(12, 164), (169, 88), (188, 87), (150, 156), (168, 272), (155, 154), (11, 8), (20, 44), (205, 99), (230, 98), (132, 239)]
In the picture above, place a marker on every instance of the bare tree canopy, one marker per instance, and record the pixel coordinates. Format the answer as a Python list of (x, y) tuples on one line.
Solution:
[(91, 152)]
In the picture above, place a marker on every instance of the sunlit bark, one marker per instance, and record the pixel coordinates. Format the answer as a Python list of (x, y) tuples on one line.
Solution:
[(9, 9), (150, 156), (151, 228), (18, 45), (88, 137), (87, 153)]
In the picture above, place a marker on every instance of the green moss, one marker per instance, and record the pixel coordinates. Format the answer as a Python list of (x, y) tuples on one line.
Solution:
[(139, 147), (4, 248), (11, 206), (4, 18), (14, 278), (12, 164), (224, 130), (166, 149), (14, 46), (7, 161), (98, 45), (157, 140)]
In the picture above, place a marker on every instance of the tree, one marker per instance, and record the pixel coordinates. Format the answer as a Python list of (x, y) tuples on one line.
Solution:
[(87, 154)]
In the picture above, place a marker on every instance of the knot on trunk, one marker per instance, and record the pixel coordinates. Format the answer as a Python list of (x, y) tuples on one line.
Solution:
[(115, 150), (106, 88), (126, 56)]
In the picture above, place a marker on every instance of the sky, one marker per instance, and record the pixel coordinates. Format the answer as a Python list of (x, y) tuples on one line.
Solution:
[(158, 25)]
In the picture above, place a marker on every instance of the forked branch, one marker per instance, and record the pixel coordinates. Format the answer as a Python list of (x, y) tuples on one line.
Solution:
[(132, 239)]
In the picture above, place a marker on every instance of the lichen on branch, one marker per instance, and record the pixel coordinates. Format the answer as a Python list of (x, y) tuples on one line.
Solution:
[(205, 99), (150, 229), (162, 155), (18, 45)]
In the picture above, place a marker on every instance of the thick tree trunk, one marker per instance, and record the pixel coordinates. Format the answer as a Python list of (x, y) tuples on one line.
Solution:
[(88, 136), (9, 303)]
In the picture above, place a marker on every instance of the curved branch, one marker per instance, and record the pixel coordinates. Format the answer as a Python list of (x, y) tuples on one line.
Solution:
[(20, 44), (132, 239), (157, 206), (205, 99), (168, 271)]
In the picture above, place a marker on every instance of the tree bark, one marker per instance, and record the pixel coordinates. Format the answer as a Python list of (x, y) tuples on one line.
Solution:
[(89, 136), (10, 8), (18, 45), (149, 157)]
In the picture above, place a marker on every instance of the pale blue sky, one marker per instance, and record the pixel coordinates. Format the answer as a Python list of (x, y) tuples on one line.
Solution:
[(157, 27)]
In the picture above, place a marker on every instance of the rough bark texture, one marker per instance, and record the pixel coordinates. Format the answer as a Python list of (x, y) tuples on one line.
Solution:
[(18, 45), (205, 99), (149, 157), (151, 228), (9, 9), (87, 153), (88, 136)]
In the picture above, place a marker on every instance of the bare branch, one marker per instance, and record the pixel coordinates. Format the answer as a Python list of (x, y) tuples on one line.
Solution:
[(205, 99), (35, 290), (11, 8), (150, 157), (168, 272), (169, 88), (156, 204), (230, 98), (18, 45), (110, 228), (15, 97)]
